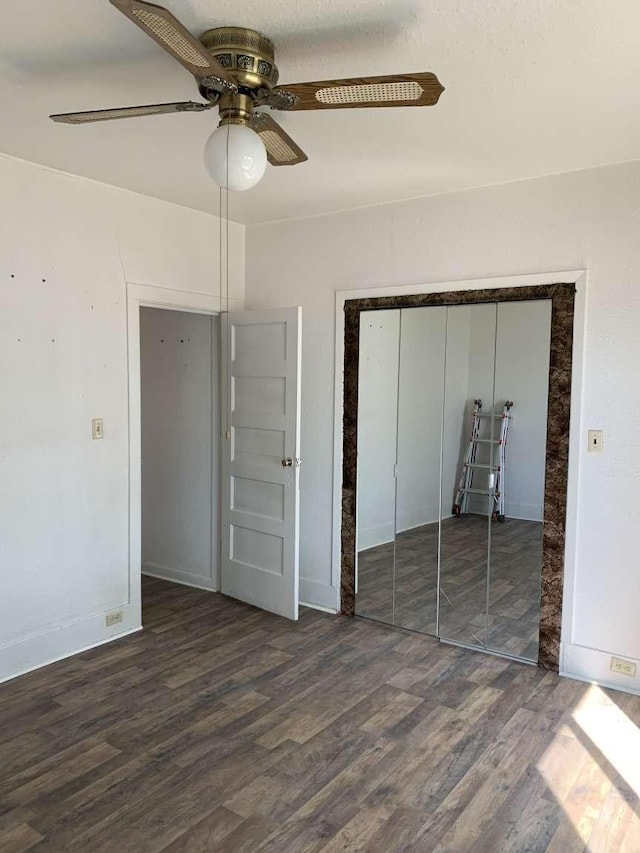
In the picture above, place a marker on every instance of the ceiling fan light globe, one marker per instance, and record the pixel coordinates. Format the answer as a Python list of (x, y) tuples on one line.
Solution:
[(235, 157)]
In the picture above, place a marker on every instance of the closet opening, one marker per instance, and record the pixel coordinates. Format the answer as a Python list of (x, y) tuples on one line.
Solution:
[(456, 428), (180, 426)]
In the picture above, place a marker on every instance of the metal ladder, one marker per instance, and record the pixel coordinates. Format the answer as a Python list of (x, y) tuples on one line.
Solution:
[(495, 467)]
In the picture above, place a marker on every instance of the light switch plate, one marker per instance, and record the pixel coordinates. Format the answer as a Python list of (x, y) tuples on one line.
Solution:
[(97, 430), (594, 439)]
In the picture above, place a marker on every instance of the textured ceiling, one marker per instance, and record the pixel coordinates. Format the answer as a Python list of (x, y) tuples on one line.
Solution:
[(533, 87)]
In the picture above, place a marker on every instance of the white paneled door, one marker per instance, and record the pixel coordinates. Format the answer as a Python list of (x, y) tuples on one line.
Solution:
[(260, 459)]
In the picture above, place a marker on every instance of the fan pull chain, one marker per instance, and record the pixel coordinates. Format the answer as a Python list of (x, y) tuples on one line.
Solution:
[(223, 427), (224, 288), (226, 194)]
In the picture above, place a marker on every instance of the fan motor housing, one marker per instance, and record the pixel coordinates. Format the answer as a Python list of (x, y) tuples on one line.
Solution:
[(249, 56)]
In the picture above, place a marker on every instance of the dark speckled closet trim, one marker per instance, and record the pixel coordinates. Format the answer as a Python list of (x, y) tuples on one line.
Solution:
[(562, 298)]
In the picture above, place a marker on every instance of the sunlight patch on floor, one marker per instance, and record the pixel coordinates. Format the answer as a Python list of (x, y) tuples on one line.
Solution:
[(614, 734), (592, 745)]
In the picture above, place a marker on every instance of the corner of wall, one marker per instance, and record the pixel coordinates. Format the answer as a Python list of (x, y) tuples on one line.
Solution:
[(36, 651), (319, 596)]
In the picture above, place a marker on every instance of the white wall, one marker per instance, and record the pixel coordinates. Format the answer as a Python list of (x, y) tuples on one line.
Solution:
[(67, 248), (400, 400), (421, 397), (522, 375), (505, 347), (180, 407), (587, 219), (476, 346), (509, 360), (377, 426), (455, 427)]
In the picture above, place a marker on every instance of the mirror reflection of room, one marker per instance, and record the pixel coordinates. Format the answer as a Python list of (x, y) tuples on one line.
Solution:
[(452, 415)]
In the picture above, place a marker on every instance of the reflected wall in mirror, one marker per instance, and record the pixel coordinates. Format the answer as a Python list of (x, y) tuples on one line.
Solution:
[(452, 415), (377, 440), (400, 393), (515, 566), (420, 399), (469, 375)]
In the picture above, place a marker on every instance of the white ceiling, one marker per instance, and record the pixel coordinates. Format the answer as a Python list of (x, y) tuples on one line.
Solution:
[(533, 87)]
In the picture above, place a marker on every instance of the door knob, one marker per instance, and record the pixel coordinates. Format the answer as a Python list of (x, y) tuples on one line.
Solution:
[(287, 463)]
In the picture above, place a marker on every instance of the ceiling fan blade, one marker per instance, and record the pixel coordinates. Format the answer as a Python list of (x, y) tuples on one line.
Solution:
[(394, 90), (281, 149), (130, 112), (166, 29)]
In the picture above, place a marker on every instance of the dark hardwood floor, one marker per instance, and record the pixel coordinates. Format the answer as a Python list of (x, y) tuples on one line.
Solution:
[(224, 728), (410, 600)]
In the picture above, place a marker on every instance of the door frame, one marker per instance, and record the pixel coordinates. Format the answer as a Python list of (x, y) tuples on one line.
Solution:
[(567, 291), (150, 296)]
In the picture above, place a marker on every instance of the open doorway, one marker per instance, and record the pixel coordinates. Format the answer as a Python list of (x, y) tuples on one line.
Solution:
[(237, 531), (180, 428)]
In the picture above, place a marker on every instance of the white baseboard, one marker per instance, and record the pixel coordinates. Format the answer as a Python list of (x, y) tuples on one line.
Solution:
[(371, 537), (410, 520), (594, 666), (167, 573), (33, 652), (523, 511), (312, 594), (319, 596)]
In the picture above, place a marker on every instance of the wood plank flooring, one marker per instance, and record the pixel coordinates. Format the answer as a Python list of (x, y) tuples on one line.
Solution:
[(410, 600), (224, 728)]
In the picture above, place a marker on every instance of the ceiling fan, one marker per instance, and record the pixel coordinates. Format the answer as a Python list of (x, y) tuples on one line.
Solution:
[(234, 68)]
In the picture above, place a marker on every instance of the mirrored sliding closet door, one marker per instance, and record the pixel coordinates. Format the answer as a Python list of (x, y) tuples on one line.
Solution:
[(467, 500), (452, 411)]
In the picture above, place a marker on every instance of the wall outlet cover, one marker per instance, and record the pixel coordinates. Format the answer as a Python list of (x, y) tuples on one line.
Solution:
[(113, 618), (624, 667)]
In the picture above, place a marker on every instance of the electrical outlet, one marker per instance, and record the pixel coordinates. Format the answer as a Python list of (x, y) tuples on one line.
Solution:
[(594, 438), (97, 430), (113, 618), (624, 667)]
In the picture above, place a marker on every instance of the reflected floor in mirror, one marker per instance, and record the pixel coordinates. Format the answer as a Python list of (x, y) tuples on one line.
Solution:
[(516, 559)]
